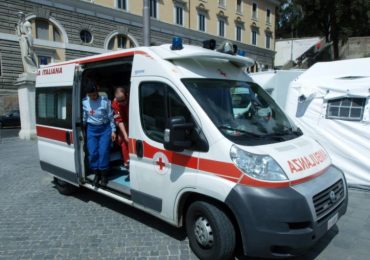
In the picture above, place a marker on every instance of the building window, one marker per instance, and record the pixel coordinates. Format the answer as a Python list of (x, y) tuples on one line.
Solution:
[(56, 35), (268, 16), (44, 60), (120, 41), (179, 15), (254, 37), (222, 3), (42, 29), (122, 4), (239, 6), (350, 109), (268, 40), (46, 30), (221, 28), (202, 22), (254, 10), (153, 8), (85, 36), (238, 33)]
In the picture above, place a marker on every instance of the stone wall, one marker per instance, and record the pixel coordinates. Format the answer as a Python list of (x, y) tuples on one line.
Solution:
[(75, 15), (356, 47)]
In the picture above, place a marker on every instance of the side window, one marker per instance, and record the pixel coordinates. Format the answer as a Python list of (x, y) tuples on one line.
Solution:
[(158, 102), (351, 109), (54, 107), (153, 109), (177, 107)]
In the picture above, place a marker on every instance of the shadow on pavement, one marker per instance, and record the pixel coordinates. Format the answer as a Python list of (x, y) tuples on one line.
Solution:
[(86, 195)]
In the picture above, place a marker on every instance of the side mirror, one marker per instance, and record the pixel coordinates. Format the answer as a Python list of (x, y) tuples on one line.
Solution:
[(177, 134)]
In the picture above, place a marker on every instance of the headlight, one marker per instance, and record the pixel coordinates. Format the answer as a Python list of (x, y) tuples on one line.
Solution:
[(261, 167)]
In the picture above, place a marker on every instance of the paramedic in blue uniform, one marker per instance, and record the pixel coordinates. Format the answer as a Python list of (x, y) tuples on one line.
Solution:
[(100, 128)]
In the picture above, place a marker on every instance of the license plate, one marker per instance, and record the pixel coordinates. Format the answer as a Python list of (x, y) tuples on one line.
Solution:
[(332, 221)]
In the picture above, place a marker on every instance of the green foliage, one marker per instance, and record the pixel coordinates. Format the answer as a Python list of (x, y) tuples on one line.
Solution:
[(333, 19)]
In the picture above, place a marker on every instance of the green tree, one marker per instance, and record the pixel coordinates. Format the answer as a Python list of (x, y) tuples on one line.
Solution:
[(335, 20)]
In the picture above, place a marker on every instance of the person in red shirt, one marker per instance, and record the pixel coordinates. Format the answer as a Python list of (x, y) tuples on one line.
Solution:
[(120, 106)]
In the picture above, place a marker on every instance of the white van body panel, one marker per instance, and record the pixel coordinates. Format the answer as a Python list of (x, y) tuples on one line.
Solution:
[(56, 76)]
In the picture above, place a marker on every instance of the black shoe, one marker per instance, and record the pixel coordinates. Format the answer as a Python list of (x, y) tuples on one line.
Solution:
[(96, 178), (104, 177)]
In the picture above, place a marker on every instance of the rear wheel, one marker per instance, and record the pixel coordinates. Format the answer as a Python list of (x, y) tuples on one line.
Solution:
[(64, 187), (211, 233)]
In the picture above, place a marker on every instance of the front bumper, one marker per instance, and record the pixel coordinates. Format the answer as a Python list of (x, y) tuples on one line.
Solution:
[(283, 222)]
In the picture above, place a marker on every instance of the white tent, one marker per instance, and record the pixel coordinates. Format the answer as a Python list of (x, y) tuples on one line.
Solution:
[(276, 83), (330, 101)]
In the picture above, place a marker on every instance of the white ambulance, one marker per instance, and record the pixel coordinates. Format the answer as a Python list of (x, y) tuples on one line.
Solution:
[(242, 182)]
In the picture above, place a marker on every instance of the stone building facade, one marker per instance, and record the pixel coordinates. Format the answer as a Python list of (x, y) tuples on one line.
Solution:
[(68, 29)]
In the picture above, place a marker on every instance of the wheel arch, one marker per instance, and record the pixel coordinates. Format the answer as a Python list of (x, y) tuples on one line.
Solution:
[(187, 197)]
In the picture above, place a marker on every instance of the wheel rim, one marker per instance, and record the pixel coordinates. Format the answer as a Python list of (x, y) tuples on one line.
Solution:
[(203, 232)]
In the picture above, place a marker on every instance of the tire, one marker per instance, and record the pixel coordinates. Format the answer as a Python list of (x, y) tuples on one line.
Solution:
[(211, 233), (64, 187), (1, 125)]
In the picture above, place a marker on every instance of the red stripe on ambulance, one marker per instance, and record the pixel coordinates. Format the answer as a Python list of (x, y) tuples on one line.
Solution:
[(53, 133), (224, 170)]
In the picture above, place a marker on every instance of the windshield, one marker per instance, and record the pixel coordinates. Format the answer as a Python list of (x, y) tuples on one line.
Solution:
[(242, 111)]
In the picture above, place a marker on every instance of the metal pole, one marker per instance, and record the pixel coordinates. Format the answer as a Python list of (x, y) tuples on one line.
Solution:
[(146, 22), (291, 45)]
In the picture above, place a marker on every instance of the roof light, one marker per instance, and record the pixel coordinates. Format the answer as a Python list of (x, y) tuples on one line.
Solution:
[(228, 48), (241, 53), (209, 44), (176, 43)]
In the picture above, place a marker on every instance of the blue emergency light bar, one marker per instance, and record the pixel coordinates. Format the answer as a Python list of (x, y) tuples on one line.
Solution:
[(176, 43)]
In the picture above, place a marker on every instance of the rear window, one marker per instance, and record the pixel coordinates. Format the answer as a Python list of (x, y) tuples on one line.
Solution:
[(350, 109), (54, 107)]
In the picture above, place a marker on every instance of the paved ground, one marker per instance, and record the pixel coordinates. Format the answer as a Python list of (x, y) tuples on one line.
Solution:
[(9, 132), (36, 222)]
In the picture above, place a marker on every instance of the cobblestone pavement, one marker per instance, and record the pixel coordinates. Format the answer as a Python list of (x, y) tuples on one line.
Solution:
[(37, 222)]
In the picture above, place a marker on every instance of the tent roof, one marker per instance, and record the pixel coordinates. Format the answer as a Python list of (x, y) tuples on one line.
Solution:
[(337, 78)]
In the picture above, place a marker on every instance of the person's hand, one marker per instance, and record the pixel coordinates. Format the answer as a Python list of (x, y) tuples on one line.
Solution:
[(114, 136)]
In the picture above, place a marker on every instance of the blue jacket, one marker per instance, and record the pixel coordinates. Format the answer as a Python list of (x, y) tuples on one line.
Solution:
[(98, 112)]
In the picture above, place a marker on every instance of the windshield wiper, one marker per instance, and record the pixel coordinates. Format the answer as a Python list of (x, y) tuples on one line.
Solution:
[(241, 131), (289, 131)]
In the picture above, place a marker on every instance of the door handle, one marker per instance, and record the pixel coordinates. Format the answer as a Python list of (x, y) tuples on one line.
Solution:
[(139, 148), (68, 137)]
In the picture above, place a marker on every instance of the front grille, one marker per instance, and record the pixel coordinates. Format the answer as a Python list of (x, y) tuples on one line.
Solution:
[(328, 198)]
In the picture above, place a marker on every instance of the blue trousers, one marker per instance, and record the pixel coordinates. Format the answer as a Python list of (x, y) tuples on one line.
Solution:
[(98, 146)]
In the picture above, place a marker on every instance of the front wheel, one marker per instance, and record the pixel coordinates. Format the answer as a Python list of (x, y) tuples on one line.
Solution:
[(63, 187), (211, 233)]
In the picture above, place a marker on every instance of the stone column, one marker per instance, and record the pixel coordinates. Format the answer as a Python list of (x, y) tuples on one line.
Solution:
[(26, 98)]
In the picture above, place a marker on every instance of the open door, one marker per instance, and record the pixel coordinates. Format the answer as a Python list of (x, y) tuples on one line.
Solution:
[(55, 122)]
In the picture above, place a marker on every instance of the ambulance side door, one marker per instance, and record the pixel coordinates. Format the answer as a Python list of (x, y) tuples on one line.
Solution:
[(158, 174), (55, 122)]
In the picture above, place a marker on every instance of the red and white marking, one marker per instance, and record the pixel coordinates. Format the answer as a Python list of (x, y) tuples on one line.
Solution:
[(160, 162)]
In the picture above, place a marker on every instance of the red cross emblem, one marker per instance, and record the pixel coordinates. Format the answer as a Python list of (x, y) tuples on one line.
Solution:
[(160, 163), (92, 112)]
